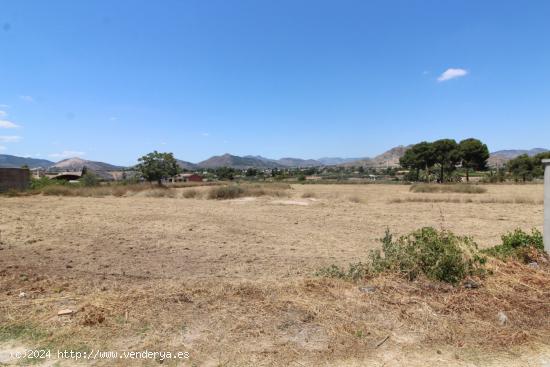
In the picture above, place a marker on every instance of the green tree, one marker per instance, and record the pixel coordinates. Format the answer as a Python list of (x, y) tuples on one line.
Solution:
[(155, 166), (447, 154), (474, 155), (225, 173), (419, 156), (538, 170), (521, 166), (251, 172)]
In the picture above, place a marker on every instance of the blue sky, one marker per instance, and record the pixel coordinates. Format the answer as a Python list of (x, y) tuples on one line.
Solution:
[(113, 80)]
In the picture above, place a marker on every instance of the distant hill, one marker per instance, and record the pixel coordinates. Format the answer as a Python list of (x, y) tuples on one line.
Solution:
[(186, 165), (76, 164), (11, 161), (501, 157), (228, 160), (333, 161), (389, 158), (297, 162)]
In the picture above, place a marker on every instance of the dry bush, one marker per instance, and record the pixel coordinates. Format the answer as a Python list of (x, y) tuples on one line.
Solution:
[(237, 191), (453, 188), (191, 194), (161, 193)]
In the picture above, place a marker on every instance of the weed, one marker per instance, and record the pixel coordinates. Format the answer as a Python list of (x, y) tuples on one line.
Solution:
[(519, 245), (438, 255)]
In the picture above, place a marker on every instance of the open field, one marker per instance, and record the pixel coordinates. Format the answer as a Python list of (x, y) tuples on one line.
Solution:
[(231, 281)]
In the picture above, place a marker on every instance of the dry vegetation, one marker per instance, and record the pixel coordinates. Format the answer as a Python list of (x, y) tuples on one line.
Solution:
[(447, 188), (232, 281)]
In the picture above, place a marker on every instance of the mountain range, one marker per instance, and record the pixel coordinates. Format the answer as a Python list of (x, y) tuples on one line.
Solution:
[(389, 158)]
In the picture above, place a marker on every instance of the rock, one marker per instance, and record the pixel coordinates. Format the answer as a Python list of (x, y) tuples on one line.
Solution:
[(22, 295), (533, 265), (502, 318), (470, 284), (367, 289), (66, 312)]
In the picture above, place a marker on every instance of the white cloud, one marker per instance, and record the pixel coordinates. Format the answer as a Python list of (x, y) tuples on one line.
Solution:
[(5, 124), (113, 118), (3, 147), (452, 74), (3, 113), (205, 134), (67, 154), (9, 139), (27, 98)]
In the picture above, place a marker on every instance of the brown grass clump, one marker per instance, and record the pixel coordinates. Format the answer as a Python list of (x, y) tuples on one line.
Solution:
[(191, 194), (448, 188), (237, 191)]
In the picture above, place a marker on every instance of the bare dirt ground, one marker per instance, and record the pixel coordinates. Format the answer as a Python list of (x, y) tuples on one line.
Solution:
[(232, 282)]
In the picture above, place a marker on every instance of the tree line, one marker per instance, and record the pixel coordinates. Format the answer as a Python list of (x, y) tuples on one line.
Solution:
[(526, 168), (443, 157)]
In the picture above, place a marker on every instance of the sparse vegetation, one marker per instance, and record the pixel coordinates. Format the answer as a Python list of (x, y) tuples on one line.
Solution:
[(458, 200), (191, 194), (308, 194), (237, 191), (455, 188), (438, 255), (519, 245)]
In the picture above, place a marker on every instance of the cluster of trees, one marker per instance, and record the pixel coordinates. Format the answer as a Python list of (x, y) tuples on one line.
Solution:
[(444, 156), (526, 168)]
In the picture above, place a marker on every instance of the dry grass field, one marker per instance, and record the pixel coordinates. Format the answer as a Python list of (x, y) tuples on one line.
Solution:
[(232, 281)]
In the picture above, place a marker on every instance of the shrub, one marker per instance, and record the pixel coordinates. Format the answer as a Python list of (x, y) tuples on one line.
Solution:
[(308, 194), (518, 245), (236, 191), (39, 183), (190, 193), (59, 190), (457, 188), (161, 193), (89, 179), (225, 192), (438, 255)]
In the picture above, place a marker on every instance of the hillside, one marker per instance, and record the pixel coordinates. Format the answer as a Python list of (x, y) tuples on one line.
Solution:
[(297, 162), (333, 161), (389, 158), (76, 164), (186, 165), (228, 160), (501, 157), (11, 161)]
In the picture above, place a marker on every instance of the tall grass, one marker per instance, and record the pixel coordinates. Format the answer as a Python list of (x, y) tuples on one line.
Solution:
[(454, 188), (237, 191)]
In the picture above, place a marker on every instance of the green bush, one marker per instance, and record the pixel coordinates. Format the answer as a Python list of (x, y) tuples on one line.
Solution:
[(40, 183), (89, 179), (439, 255), (518, 244)]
